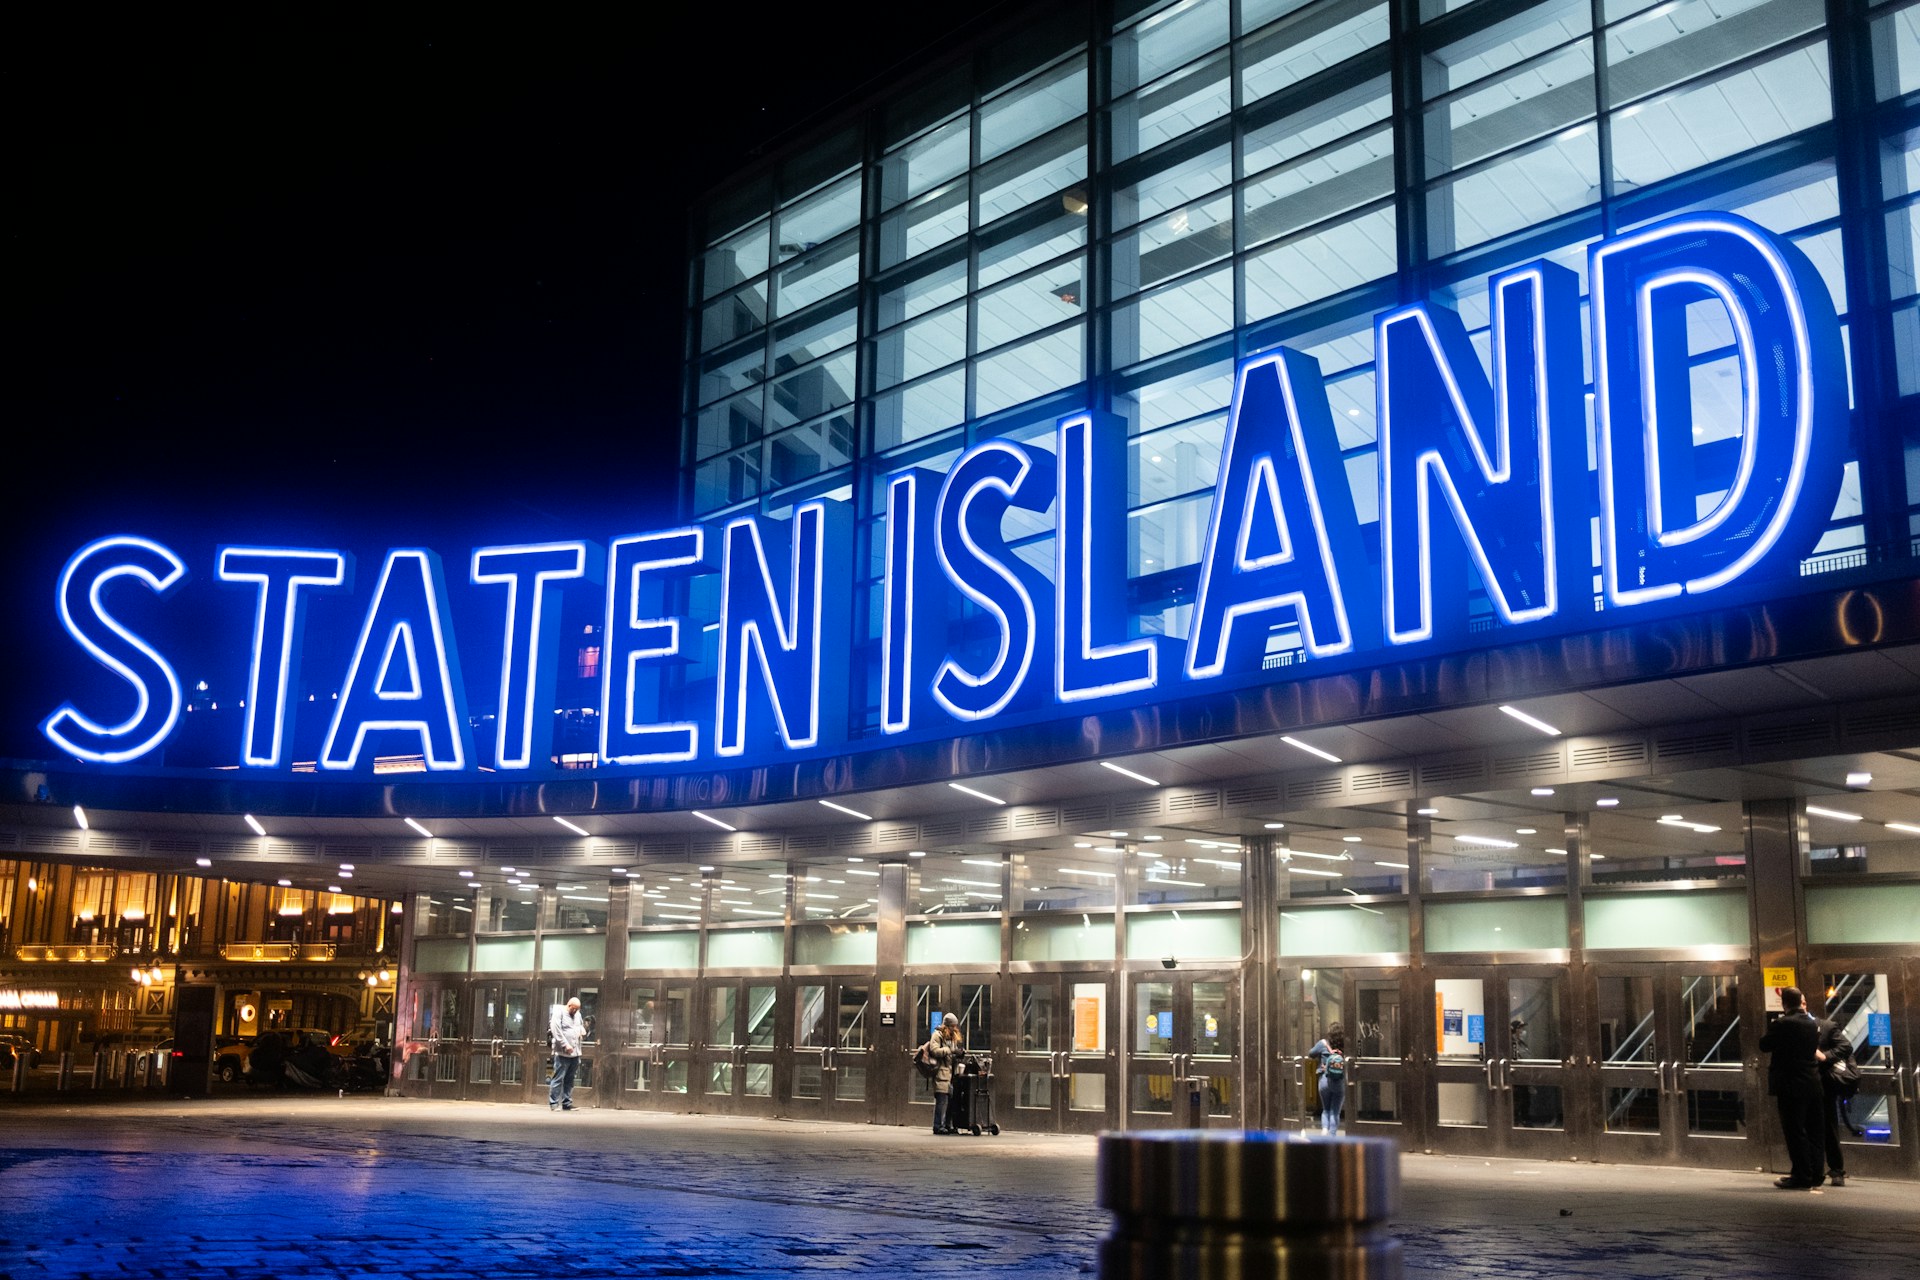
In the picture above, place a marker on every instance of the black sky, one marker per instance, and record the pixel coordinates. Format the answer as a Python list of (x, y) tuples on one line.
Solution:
[(370, 276)]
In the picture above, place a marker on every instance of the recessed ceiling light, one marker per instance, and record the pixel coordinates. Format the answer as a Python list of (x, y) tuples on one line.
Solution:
[(1275, 826), (254, 823), (417, 827), (1543, 791), (466, 875), (1310, 750), (1860, 779), (1486, 842), (1606, 802), (1427, 813), (1128, 773), (1838, 815), (978, 795), (573, 827), (286, 884), (916, 853), (207, 862), (1525, 831), (80, 816), (715, 821), (852, 813), (1907, 827), (1531, 722), (1351, 839)]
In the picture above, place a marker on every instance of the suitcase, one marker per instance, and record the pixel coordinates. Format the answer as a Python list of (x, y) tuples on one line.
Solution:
[(970, 1108)]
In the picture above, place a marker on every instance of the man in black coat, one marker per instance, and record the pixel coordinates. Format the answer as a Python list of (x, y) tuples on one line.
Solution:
[(1793, 1078), (1836, 1050)]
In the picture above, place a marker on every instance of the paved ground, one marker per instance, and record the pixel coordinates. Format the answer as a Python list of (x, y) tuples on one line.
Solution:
[(321, 1187)]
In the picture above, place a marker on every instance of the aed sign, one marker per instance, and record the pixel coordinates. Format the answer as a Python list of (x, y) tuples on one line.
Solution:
[(1476, 471)]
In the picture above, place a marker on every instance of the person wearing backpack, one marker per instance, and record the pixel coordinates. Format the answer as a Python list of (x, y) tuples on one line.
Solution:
[(1330, 1055)]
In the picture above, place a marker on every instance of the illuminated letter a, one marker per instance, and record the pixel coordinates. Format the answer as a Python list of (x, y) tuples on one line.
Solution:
[(1283, 542)]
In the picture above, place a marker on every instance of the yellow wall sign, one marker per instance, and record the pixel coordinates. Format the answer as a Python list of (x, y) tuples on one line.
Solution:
[(1778, 977)]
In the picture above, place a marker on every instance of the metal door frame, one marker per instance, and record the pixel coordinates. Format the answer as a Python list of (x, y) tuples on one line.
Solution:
[(1187, 1076), (1893, 1072), (1671, 1072), (653, 1053), (1500, 1070), (1061, 1065), (834, 1057), (914, 1107), (1401, 1070), (741, 1053)]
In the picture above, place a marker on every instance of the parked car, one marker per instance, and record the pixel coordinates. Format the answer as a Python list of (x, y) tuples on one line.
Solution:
[(232, 1053), (13, 1048)]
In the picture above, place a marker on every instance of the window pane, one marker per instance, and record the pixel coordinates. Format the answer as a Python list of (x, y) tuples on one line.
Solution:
[(1028, 242), (921, 347), (819, 218), (1313, 40), (1171, 38), (821, 386), (1053, 166), (920, 410), (903, 298), (1174, 316), (817, 273), (1177, 105), (1316, 187), (733, 316), (729, 424), (924, 224), (924, 163), (1032, 302), (1033, 369), (1527, 187), (1024, 113), (735, 260), (1318, 266), (1669, 43), (1722, 117)]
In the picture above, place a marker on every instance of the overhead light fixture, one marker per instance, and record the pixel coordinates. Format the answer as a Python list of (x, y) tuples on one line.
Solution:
[(1543, 791), (1319, 857), (254, 822), (80, 816), (417, 827), (1699, 828), (1531, 722), (203, 862), (573, 827), (1128, 773), (715, 821), (347, 866), (1606, 802), (853, 813), (1275, 826), (1397, 866), (916, 853), (1351, 839), (1907, 827), (1561, 852), (1861, 779), (1311, 871), (286, 884), (1485, 842), (978, 795), (1428, 813), (1526, 831), (466, 875), (1328, 756), (1838, 815)]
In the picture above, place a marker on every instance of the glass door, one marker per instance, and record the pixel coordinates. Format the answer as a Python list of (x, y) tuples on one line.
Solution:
[(1500, 1061), (735, 1055), (1060, 1053), (661, 1063), (1872, 1000), (831, 1055), (1675, 1067), (1183, 1064), (1368, 1007)]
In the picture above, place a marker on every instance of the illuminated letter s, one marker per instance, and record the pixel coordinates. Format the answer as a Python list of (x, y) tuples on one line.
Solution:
[(83, 611)]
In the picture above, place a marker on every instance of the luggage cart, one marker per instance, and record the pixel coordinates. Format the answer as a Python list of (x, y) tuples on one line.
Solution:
[(970, 1108)]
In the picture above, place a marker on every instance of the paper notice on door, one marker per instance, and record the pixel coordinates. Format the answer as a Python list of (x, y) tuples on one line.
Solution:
[(889, 997), (1089, 1023)]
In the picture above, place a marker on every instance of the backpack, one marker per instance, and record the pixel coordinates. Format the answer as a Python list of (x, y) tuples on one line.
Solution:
[(1335, 1063), (923, 1063)]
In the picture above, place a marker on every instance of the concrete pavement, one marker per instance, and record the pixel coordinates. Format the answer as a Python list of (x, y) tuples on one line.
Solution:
[(322, 1187)]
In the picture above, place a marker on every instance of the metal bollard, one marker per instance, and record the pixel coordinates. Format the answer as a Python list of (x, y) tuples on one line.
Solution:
[(64, 1081), (127, 1061), (19, 1081), (1231, 1205)]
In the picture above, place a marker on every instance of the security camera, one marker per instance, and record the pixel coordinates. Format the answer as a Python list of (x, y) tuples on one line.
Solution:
[(1168, 962)]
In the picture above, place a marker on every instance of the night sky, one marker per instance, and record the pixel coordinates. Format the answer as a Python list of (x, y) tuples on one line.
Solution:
[(338, 278)]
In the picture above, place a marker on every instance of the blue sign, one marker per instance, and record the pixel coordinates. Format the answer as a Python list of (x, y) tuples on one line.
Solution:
[(1163, 1025), (1476, 1028), (1476, 472), (933, 1023), (1880, 1030), (1450, 1022)]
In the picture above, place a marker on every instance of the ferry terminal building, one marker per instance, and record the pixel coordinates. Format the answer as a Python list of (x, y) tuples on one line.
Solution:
[(1202, 522)]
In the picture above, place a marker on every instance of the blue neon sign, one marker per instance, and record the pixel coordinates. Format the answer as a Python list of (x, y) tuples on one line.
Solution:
[(1477, 472)]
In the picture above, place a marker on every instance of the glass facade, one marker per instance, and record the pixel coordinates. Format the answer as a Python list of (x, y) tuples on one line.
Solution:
[(1105, 209)]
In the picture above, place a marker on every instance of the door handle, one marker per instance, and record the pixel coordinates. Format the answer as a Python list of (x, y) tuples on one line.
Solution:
[(1900, 1083), (1488, 1066), (1506, 1075), (1660, 1073)]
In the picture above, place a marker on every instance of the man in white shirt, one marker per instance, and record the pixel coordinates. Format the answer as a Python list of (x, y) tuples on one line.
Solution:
[(565, 1031)]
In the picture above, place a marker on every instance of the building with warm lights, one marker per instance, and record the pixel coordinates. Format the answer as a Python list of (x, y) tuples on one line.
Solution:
[(1203, 522)]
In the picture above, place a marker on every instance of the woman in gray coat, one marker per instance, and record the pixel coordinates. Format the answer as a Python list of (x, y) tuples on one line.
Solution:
[(943, 1051)]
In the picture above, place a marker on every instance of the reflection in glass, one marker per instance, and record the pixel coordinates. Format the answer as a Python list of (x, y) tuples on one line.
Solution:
[(1717, 1111), (810, 1017), (1153, 1018), (1633, 1110), (1037, 1019), (761, 1002), (1710, 1008), (1533, 1019), (1628, 1030), (720, 1015), (645, 1003), (1463, 1104)]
